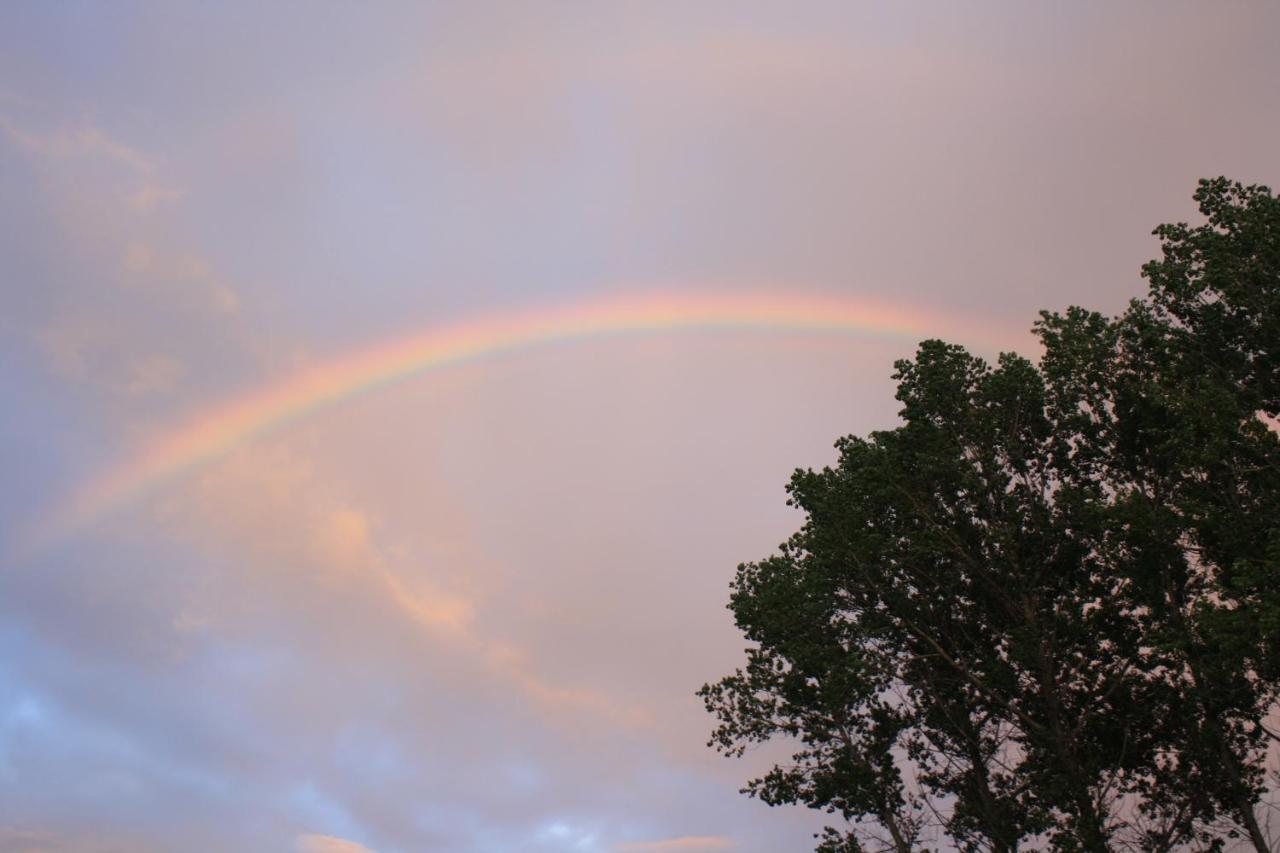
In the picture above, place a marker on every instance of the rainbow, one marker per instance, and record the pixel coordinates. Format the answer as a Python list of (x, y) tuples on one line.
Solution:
[(217, 430)]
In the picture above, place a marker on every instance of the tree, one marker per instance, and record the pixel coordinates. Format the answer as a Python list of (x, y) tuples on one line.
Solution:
[(1044, 609)]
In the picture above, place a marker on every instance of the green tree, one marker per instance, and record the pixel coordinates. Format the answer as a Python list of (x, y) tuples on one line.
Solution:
[(1045, 608)]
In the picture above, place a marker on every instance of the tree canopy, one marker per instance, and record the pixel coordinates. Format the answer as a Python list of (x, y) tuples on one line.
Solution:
[(1045, 609)]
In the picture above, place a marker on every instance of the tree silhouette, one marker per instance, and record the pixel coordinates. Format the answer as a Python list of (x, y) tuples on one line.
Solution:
[(1045, 609)]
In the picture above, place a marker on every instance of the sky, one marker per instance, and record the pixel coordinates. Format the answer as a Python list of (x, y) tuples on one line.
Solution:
[(389, 392)]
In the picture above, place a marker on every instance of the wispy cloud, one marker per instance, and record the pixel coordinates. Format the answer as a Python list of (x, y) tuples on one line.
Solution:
[(78, 142), (272, 507)]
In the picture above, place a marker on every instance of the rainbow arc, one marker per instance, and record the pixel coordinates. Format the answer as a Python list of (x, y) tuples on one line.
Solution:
[(215, 431)]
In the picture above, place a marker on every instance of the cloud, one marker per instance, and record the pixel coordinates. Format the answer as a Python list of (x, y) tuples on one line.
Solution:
[(476, 607), (116, 300), (151, 196), (90, 142), (312, 843), (181, 275), (15, 840), (691, 843), (155, 374), (78, 840), (343, 536), (274, 510), (78, 348)]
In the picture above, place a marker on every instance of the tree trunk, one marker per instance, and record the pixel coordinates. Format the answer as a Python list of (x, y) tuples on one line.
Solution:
[(1244, 806), (900, 843)]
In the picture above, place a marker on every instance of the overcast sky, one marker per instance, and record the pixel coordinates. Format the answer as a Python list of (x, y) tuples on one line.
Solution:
[(468, 610)]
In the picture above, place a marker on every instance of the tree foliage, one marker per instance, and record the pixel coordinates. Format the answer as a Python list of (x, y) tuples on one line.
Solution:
[(1044, 610)]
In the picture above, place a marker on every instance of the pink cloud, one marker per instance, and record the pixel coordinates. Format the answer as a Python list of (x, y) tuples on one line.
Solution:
[(312, 843), (281, 514), (691, 843), (78, 142)]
